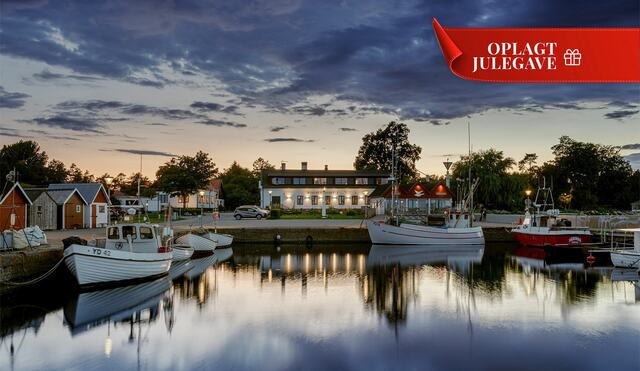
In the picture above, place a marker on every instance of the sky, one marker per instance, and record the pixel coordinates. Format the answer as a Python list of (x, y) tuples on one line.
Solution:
[(99, 83)]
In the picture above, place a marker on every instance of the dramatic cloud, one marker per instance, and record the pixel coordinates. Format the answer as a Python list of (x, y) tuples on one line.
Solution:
[(221, 123), (12, 100), (621, 114), (277, 140), (634, 160), (631, 146), (438, 122), (95, 106), (46, 75), (141, 152), (348, 129), (275, 129), (214, 107), (69, 123)]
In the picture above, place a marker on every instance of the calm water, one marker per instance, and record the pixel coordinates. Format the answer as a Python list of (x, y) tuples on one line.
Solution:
[(339, 308)]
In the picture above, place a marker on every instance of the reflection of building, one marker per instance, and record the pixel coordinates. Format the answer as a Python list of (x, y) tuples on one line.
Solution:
[(315, 189)]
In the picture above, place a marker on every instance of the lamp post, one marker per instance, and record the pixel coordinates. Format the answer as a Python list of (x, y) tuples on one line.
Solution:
[(527, 202), (201, 206), (270, 200), (108, 180), (324, 203)]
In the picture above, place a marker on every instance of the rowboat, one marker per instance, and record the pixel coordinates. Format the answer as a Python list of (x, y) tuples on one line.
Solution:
[(199, 243), (182, 252), (221, 239), (130, 252)]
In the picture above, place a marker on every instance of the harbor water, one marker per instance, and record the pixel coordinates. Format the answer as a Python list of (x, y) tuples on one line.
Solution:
[(501, 307)]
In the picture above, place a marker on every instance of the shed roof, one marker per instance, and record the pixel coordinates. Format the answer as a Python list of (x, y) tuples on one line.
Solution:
[(88, 191)]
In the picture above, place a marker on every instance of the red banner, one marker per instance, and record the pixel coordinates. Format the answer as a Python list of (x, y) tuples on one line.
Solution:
[(553, 55)]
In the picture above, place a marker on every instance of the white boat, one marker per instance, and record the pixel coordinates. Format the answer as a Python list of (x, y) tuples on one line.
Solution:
[(181, 252), (457, 232), (130, 251), (221, 239), (627, 258), (198, 243), (223, 255)]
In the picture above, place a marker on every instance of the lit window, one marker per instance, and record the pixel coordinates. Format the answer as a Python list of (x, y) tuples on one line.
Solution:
[(314, 200), (327, 200), (277, 181), (354, 200), (299, 200), (362, 180), (319, 180), (341, 199)]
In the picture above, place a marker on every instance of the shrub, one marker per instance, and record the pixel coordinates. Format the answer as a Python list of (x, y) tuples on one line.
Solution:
[(275, 214)]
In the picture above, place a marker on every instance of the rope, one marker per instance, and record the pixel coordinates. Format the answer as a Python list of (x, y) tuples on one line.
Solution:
[(35, 280)]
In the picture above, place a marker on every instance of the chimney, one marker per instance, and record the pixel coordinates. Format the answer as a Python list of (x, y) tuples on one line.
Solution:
[(283, 166), (326, 167), (304, 166)]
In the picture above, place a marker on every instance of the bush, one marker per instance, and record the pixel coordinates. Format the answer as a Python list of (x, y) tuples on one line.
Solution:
[(275, 214)]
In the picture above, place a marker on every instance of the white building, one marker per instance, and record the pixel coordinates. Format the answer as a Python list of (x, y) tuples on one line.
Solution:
[(313, 189)]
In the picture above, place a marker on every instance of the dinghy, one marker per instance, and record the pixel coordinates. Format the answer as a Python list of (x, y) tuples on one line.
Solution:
[(198, 243), (221, 239), (626, 258), (182, 252)]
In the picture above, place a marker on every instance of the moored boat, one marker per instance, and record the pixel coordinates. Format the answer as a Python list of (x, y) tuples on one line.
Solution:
[(627, 258), (382, 233), (130, 252), (181, 252), (221, 239), (198, 243)]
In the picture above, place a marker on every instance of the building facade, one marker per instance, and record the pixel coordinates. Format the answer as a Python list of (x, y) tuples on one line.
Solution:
[(315, 189), (13, 208), (417, 197), (96, 213)]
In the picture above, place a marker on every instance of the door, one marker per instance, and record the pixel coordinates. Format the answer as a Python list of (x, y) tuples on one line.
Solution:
[(59, 219), (93, 216)]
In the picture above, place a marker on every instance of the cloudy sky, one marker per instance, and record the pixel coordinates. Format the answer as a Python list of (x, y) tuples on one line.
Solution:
[(97, 83)]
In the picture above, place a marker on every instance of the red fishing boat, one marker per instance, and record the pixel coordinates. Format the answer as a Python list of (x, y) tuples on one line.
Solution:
[(544, 226)]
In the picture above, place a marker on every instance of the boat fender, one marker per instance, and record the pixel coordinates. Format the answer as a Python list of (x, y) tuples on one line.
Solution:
[(277, 238), (591, 259), (308, 241)]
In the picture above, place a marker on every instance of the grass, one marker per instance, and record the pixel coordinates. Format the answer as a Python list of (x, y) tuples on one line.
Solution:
[(317, 214)]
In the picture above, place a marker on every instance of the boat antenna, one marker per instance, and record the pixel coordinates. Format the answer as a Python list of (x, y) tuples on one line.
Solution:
[(470, 163)]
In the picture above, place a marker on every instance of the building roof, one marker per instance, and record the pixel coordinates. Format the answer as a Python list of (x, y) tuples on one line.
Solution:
[(88, 191), (59, 196), (18, 187), (324, 173), (415, 190)]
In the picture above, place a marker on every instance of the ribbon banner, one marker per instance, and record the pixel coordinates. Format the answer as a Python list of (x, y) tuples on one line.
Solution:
[(552, 55)]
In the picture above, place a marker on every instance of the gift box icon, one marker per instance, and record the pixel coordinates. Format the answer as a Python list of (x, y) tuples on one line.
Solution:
[(572, 57)]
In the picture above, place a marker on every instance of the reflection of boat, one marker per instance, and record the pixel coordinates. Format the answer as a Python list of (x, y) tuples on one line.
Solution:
[(180, 268), (628, 258), (182, 252), (90, 309), (223, 254), (221, 239), (531, 257), (200, 244), (457, 256), (200, 265), (628, 275), (131, 251)]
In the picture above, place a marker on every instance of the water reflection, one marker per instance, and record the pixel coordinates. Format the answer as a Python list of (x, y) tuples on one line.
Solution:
[(385, 307)]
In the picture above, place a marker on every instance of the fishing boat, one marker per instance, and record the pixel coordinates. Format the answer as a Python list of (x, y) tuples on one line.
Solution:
[(129, 252), (182, 252), (627, 258), (544, 227), (199, 243)]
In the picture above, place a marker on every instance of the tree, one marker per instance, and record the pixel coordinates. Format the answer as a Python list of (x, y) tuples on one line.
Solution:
[(376, 150), (261, 164), (495, 188), (594, 175), (56, 172), (186, 175), (528, 161), (76, 175), (28, 160), (129, 186), (240, 186)]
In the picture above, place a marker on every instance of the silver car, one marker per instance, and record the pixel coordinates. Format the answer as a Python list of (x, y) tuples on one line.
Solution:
[(250, 212)]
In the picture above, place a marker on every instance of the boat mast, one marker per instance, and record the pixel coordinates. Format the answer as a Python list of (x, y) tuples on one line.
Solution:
[(469, 166)]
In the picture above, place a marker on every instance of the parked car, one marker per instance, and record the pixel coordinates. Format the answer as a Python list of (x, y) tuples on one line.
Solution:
[(250, 212)]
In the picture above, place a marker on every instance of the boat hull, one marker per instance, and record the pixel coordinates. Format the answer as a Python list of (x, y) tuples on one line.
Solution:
[(200, 244), (626, 259), (409, 234), (221, 239), (93, 265), (552, 239), (182, 252)]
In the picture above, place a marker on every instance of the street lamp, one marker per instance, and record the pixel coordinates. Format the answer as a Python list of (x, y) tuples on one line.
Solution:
[(108, 180), (270, 200), (324, 203)]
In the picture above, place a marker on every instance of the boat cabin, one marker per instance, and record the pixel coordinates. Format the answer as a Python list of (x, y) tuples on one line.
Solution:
[(457, 219), (141, 238)]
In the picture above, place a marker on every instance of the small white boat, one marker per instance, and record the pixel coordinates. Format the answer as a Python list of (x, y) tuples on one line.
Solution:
[(628, 258), (130, 252), (198, 243), (221, 239), (181, 252)]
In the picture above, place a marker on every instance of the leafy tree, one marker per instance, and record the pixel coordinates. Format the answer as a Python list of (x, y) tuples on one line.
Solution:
[(528, 162), (495, 188), (240, 186), (129, 186), (76, 175), (28, 160), (261, 164), (56, 172), (377, 149), (186, 175), (594, 175)]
